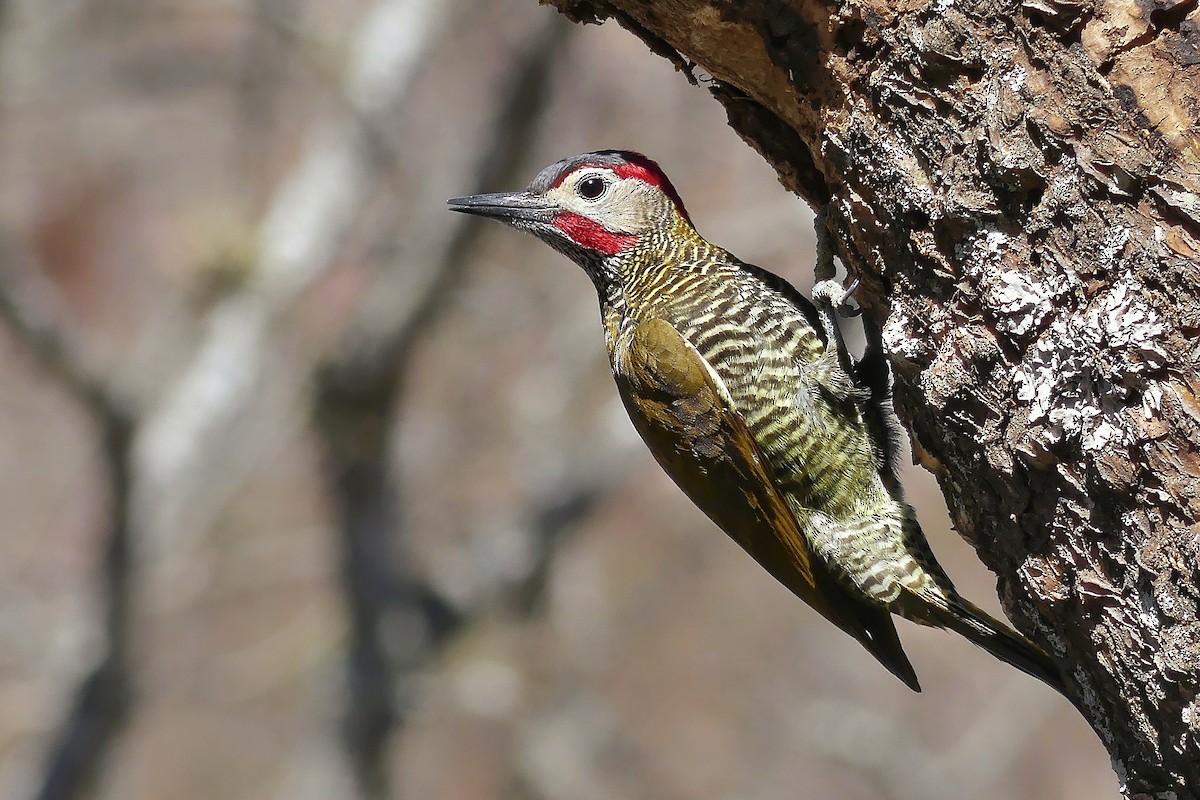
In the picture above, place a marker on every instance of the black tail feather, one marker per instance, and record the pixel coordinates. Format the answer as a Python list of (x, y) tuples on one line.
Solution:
[(972, 622)]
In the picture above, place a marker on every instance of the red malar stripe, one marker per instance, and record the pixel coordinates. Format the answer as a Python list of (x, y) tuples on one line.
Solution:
[(592, 235)]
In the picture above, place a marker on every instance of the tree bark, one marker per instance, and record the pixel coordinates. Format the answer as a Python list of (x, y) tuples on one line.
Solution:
[(1016, 183)]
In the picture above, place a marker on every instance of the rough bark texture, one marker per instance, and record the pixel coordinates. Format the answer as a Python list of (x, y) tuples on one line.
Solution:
[(1017, 185)]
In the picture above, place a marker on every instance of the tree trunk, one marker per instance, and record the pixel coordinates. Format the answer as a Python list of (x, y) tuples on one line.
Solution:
[(1016, 183)]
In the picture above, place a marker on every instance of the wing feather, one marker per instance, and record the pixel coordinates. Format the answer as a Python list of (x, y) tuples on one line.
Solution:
[(684, 413)]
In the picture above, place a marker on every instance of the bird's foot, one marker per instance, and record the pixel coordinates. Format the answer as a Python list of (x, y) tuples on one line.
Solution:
[(824, 292)]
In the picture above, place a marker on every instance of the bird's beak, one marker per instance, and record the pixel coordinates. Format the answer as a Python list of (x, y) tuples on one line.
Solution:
[(508, 206)]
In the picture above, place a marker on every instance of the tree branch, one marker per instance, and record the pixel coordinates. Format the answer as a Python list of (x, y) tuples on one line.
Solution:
[(104, 698), (189, 444), (356, 404)]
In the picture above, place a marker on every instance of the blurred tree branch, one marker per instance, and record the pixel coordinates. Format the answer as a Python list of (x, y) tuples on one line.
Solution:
[(195, 440), (264, 60), (104, 697), (177, 459), (1016, 184), (358, 401)]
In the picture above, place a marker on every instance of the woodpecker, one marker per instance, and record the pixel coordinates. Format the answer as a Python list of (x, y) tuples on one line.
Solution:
[(743, 391)]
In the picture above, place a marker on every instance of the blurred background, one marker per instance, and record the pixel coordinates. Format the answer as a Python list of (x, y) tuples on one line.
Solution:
[(311, 489)]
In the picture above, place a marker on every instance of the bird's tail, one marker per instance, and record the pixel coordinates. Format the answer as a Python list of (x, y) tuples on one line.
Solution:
[(965, 618), (938, 604)]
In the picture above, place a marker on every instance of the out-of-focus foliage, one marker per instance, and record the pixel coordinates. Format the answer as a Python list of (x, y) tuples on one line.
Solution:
[(206, 209)]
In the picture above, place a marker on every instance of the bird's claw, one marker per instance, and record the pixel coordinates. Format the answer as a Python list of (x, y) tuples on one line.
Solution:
[(824, 292)]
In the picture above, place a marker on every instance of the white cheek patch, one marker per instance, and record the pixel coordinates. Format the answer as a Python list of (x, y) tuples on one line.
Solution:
[(629, 206), (624, 207)]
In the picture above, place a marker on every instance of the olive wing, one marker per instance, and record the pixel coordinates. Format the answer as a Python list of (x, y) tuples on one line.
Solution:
[(683, 412)]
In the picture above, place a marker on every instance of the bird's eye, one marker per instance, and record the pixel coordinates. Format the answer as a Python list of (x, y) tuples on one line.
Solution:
[(591, 188)]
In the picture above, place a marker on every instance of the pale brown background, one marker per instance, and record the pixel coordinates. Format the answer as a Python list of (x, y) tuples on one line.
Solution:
[(142, 146)]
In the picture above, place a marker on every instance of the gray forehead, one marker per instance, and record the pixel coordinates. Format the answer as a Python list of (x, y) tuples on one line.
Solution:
[(547, 177)]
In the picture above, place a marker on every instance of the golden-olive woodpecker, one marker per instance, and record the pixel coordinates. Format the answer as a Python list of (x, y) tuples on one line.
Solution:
[(745, 396)]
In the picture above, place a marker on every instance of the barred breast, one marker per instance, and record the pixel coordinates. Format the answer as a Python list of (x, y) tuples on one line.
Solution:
[(761, 344)]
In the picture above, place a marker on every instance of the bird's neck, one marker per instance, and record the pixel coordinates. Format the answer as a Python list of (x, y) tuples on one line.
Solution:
[(643, 281), (648, 269)]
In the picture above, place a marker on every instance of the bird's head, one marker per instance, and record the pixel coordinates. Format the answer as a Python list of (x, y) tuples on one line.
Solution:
[(593, 207)]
